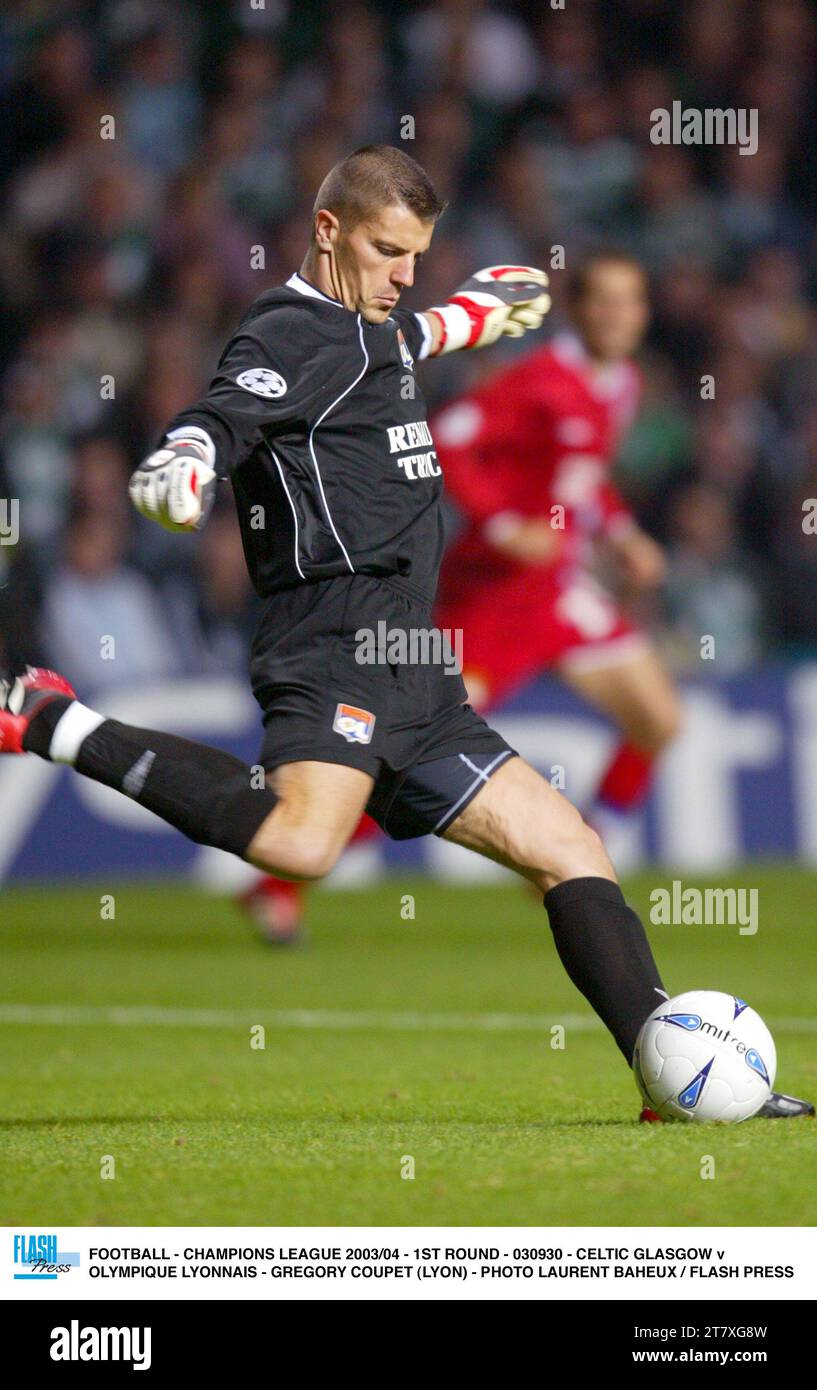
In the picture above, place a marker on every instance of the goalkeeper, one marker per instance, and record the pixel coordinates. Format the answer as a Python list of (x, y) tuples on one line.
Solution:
[(315, 418)]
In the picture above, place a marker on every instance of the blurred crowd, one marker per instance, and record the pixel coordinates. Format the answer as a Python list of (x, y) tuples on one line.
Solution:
[(150, 149)]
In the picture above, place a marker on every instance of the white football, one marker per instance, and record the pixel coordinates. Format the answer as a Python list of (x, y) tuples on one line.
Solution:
[(705, 1056)]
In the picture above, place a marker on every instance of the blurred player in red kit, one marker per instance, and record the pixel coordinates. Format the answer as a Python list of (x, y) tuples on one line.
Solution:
[(527, 456)]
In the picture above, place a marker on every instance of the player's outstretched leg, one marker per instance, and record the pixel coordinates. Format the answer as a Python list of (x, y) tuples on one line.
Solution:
[(519, 820), (296, 827)]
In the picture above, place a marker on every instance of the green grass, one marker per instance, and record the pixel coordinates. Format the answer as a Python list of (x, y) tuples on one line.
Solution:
[(312, 1129)]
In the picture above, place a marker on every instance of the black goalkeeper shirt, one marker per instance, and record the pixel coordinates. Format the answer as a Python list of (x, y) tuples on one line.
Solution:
[(321, 427)]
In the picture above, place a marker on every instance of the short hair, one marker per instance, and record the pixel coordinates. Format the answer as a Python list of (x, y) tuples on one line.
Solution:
[(377, 176), (579, 280)]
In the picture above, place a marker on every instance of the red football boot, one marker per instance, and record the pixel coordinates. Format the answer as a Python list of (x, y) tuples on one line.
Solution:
[(275, 907), (21, 697)]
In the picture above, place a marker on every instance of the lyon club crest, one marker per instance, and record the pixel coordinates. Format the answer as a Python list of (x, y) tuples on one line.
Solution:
[(356, 725)]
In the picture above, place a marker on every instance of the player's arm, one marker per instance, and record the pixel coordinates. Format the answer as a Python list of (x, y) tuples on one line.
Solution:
[(254, 387), (502, 300), (640, 558)]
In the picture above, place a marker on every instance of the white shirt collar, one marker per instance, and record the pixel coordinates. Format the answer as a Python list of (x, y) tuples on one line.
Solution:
[(297, 282)]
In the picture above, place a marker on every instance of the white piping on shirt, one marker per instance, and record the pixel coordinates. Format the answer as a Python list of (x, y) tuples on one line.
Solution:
[(292, 505), (320, 421)]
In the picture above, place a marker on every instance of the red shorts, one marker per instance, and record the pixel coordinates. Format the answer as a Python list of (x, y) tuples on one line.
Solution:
[(528, 622)]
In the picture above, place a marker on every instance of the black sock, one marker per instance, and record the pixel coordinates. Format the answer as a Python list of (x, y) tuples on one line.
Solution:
[(207, 794), (37, 737), (604, 949)]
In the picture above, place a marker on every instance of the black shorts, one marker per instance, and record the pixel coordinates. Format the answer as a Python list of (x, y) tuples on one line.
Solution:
[(402, 717)]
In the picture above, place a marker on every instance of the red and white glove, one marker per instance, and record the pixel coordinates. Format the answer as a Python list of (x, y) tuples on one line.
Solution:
[(500, 300), (176, 485)]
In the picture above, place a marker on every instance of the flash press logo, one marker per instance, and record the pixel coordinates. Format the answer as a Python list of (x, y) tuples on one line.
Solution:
[(37, 1257), (75, 1343)]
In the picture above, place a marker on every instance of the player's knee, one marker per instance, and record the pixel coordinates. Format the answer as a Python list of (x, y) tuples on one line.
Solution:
[(307, 855), (666, 725), (315, 858), (581, 853), (658, 727), (577, 851)]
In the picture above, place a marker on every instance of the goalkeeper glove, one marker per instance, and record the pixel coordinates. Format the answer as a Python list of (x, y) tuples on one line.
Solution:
[(176, 485), (501, 300)]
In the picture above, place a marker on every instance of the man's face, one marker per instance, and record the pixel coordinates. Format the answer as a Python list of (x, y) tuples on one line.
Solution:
[(376, 260), (613, 311)]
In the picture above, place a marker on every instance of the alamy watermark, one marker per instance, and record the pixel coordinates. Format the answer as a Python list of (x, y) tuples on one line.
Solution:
[(410, 646), (9, 520), (705, 907), (710, 126)]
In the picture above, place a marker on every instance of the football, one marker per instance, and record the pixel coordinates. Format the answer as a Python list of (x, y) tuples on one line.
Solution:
[(705, 1056)]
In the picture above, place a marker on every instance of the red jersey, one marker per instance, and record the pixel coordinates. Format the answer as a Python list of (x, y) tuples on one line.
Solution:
[(538, 436)]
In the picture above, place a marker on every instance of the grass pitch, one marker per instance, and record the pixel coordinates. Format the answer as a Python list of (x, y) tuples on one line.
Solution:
[(384, 1039)]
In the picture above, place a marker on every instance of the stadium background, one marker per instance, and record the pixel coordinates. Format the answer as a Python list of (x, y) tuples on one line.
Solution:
[(127, 261)]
